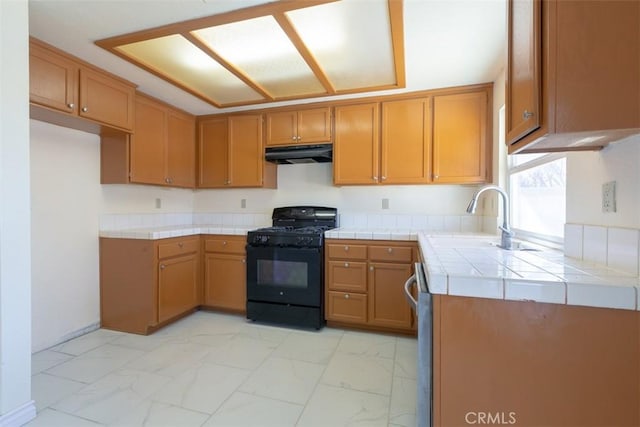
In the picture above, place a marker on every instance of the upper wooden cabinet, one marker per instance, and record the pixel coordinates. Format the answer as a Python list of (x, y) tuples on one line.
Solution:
[(299, 127), (231, 153), (460, 148), (60, 82), (162, 148), (572, 74)]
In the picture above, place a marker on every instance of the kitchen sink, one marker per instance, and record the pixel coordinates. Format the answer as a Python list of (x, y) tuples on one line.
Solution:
[(476, 242)]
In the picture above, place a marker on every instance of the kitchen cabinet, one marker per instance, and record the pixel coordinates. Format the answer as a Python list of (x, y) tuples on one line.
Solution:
[(62, 83), (231, 153), (572, 74), (145, 284), (299, 127), (364, 284), (460, 138), (225, 272), (162, 149), (534, 364)]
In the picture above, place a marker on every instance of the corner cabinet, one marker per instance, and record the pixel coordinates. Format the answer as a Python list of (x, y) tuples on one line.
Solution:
[(61, 83), (231, 153), (225, 272), (145, 284), (298, 127), (572, 74), (364, 284)]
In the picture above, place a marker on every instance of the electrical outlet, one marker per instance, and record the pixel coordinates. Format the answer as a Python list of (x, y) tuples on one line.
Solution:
[(158, 203), (385, 203), (243, 203), (609, 197)]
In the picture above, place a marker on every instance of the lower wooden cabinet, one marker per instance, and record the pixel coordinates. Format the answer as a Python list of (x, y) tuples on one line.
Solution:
[(146, 283), (225, 274), (364, 283)]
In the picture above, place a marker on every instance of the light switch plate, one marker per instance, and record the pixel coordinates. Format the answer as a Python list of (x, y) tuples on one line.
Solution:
[(609, 196)]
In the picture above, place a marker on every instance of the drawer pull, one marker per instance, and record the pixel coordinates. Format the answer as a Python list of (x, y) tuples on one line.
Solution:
[(224, 243), (162, 266), (180, 244), (244, 261), (371, 268), (346, 248), (346, 264), (390, 250), (346, 296)]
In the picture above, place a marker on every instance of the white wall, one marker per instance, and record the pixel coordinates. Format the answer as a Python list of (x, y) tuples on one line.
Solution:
[(16, 406), (586, 172)]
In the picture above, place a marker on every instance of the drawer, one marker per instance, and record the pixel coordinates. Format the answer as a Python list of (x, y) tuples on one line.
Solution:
[(391, 253), (348, 276), (231, 246), (358, 252), (178, 247), (347, 307)]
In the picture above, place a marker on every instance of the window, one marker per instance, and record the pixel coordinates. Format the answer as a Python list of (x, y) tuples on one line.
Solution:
[(537, 185)]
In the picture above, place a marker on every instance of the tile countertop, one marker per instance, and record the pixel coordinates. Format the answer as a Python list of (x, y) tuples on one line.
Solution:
[(472, 266), (154, 233)]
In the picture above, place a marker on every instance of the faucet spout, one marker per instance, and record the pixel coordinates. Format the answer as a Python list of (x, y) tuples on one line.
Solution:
[(506, 241)]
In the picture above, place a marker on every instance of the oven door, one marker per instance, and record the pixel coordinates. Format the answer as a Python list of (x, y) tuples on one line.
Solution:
[(285, 275)]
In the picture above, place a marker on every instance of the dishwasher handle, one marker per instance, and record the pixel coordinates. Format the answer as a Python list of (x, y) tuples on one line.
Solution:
[(407, 292)]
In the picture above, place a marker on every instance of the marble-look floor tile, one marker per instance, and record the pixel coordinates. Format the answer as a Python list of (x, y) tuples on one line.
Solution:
[(53, 418), (275, 334), (406, 360), (284, 379), (241, 352), (46, 359), (156, 414), (367, 344), (144, 342), (308, 347), (87, 342), (202, 388), (243, 409), (335, 406), (48, 389), (170, 359), (94, 364), (362, 373), (109, 398), (402, 409)]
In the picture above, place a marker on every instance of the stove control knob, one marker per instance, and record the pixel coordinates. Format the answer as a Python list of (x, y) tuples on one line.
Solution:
[(260, 240)]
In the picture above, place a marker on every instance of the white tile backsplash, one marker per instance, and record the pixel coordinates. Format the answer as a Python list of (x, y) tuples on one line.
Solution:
[(622, 249), (573, 240), (595, 244)]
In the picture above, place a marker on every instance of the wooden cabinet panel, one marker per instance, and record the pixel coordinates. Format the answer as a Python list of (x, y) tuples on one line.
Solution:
[(181, 149), (387, 304), (347, 251), (347, 276), (406, 141), (213, 153), (177, 286), (282, 128), (347, 307), (147, 148), (106, 100), (460, 138), (226, 245), (53, 80), (225, 283), (356, 145), (178, 247), (391, 254), (299, 127), (246, 151)]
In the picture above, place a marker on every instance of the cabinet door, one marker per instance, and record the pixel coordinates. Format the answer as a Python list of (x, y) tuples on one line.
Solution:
[(347, 276), (106, 100), (53, 80), (246, 152), (347, 307), (523, 69), (460, 138), (148, 143), (356, 145), (225, 284), (314, 125), (213, 153), (181, 149), (282, 128), (406, 142), (387, 304), (177, 286)]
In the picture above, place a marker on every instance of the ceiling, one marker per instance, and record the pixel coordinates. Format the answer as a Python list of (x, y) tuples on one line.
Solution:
[(446, 42)]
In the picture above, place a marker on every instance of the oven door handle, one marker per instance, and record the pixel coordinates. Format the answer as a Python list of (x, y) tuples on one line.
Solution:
[(407, 292)]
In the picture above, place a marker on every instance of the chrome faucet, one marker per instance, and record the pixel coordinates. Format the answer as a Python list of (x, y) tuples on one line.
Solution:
[(506, 242)]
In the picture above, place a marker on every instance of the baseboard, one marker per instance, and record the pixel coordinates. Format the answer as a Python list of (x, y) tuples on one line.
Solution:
[(19, 416), (67, 337)]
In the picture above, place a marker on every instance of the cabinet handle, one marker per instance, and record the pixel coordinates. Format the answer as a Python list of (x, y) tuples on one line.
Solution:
[(371, 268), (436, 176), (299, 138), (294, 138), (526, 115), (346, 248), (244, 260), (71, 105), (180, 244), (162, 266), (346, 296), (166, 180), (224, 242), (85, 109), (384, 178), (346, 264), (375, 178), (227, 182), (390, 250)]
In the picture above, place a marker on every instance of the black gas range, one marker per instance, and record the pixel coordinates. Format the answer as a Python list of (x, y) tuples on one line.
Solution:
[(285, 266)]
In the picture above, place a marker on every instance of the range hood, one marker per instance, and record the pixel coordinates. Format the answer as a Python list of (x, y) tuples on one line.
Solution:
[(322, 153)]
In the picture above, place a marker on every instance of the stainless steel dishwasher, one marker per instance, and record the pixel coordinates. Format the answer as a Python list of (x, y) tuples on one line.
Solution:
[(424, 312)]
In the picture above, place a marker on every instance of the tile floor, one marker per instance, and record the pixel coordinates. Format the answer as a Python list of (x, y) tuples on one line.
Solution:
[(212, 369)]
